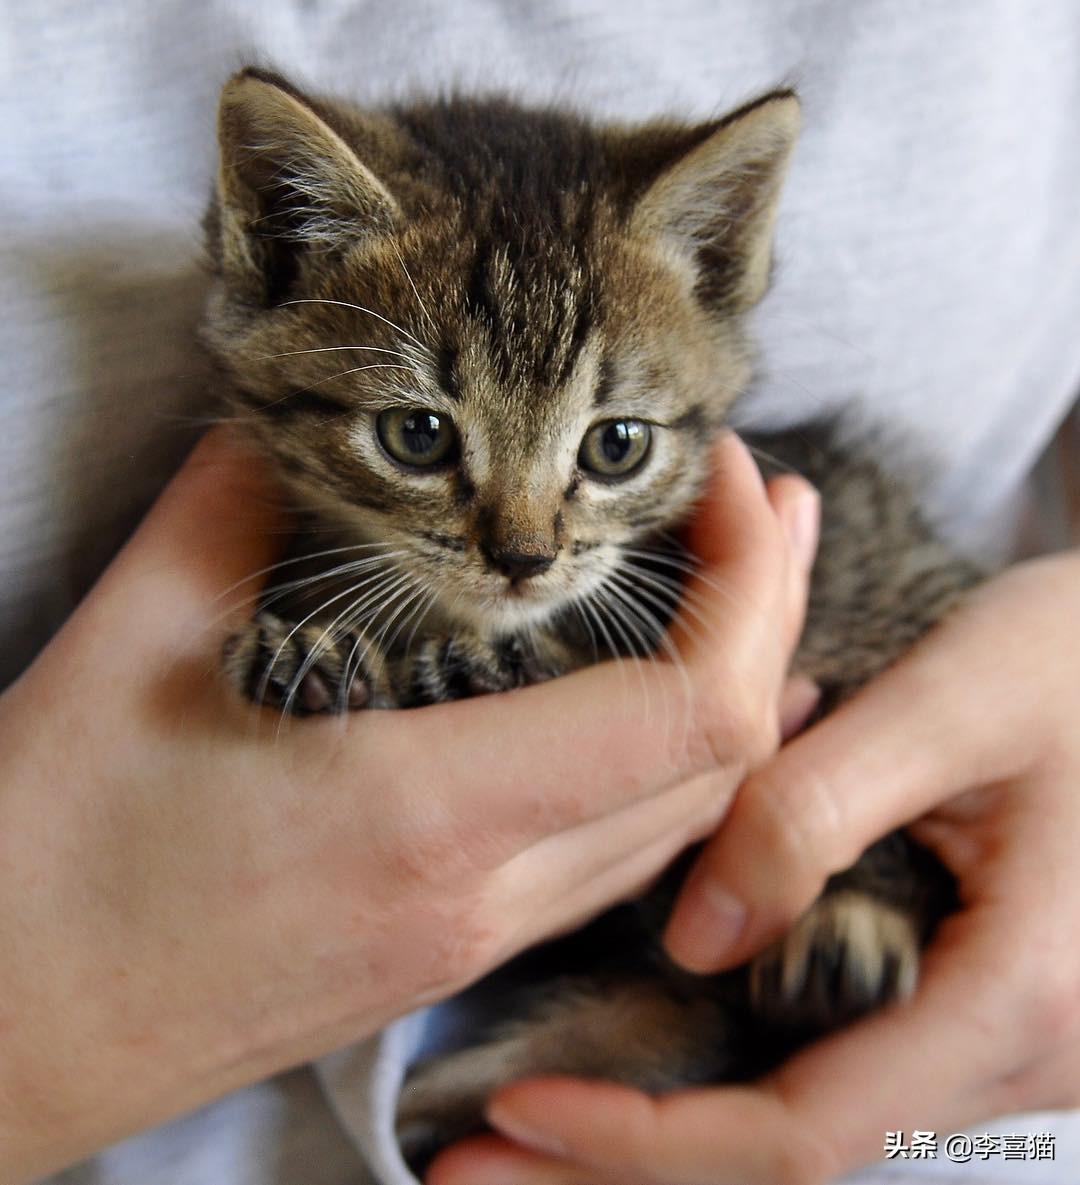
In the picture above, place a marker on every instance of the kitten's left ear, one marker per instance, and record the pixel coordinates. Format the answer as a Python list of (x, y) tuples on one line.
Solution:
[(717, 202)]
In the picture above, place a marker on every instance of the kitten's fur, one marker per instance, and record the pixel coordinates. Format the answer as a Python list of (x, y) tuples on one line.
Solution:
[(528, 275)]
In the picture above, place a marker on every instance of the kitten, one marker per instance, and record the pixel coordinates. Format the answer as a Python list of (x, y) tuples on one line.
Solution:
[(487, 349)]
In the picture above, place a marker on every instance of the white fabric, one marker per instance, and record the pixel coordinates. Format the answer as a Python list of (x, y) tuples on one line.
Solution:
[(929, 256)]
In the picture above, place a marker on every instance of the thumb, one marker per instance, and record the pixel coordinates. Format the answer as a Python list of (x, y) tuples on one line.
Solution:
[(215, 524), (212, 530)]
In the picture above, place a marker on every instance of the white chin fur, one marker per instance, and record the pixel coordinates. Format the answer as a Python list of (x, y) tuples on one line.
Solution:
[(499, 610), (505, 613)]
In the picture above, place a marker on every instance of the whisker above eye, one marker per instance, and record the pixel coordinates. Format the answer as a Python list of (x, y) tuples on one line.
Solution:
[(332, 350), (423, 307), (360, 309), (340, 375)]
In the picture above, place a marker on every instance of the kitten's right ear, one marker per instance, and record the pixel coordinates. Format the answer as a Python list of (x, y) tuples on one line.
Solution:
[(287, 184)]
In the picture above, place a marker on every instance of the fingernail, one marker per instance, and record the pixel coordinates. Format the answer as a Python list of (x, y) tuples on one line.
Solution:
[(802, 522), (511, 1125), (797, 704), (706, 924)]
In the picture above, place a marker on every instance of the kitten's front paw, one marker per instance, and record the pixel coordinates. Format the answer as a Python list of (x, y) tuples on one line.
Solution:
[(302, 670), (462, 665), (849, 953)]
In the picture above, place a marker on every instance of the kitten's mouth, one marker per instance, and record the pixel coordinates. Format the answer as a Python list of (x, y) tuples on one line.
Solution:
[(523, 590)]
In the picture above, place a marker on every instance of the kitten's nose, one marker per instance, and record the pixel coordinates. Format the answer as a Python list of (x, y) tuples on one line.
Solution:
[(517, 565)]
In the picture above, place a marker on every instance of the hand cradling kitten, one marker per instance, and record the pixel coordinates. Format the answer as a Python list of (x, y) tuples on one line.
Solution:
[(487, 350)]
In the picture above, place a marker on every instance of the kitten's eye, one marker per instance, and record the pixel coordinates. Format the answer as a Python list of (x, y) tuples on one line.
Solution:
[(415, 436), (615, 448)]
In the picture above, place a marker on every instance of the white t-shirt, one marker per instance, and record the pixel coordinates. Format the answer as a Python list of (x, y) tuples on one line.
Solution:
[(929, 267)]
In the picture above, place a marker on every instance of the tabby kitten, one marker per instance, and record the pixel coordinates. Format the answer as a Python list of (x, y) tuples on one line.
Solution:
[(488, 349)]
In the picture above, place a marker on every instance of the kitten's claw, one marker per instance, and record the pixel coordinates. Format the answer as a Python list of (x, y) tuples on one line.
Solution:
[(302, 671), (849, 953), (463, 665)]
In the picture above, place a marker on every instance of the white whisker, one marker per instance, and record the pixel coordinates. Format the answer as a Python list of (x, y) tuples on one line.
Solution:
[(364, 643), (265, 681), (631, 597), (432, 597), (601, 629), (339, 626), (315, 555), (576, 605), (360, 309), (331, 350), (629, 635), (423, 307), (410, 591), (690, 568), (672, 598)]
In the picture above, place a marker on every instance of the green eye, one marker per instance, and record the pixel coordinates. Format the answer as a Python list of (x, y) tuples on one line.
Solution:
[(416, 436), (615, 448)]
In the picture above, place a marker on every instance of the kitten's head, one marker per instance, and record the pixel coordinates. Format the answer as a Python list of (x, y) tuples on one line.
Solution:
[(499, 341)]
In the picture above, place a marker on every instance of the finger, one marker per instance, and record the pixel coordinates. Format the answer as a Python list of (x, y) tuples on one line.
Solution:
[(798, 507), (576, 1132), (734, 532), (750, 542), (491, 1160), (608, 860), (214, 524), (942, 1054), (829, 794), (797, 703)]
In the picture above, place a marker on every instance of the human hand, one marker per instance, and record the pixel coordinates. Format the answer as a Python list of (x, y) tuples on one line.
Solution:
[(973, 740), (193, 898)]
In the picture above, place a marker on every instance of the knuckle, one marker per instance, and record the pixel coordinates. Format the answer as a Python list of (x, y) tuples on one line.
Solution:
[(798, 818), (456, 942), (732, 727), (470, 945)]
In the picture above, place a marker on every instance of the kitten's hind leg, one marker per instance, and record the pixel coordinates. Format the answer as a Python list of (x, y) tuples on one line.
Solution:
[(637, 1032), (303, 670)]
